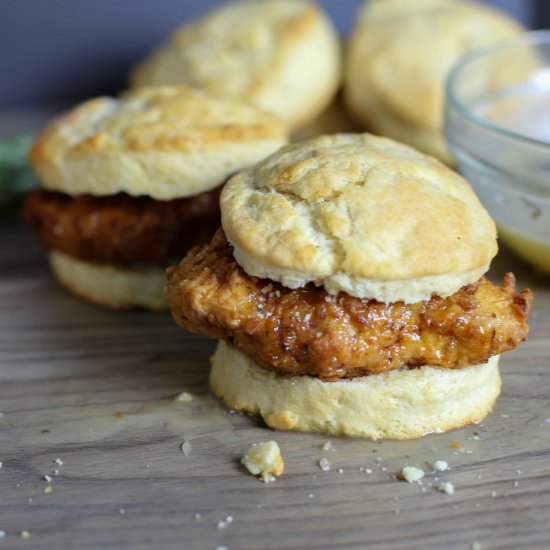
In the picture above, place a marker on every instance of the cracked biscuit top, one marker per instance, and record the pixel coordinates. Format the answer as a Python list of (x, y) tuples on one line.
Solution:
[(360, 214), (280, 55), (168, 142)]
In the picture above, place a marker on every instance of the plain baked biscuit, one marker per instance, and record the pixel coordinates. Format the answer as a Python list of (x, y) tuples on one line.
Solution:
[(398, 57), (281, 55), (115, 287), (360, 214), (169, 142), (402, 404)]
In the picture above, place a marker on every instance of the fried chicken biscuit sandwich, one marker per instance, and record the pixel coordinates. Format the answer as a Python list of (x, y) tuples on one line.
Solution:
[(347, 291), (131, 184)]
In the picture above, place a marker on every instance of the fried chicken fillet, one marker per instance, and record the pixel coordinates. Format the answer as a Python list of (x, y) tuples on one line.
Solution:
[(121, 229), (307, 331)]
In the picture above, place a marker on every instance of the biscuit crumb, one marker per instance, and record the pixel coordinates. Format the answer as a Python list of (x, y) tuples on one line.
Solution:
[(48, 489), (264, 460), (222, 524), (329, 447), (324, 464), (184, 397), (25, 535), (440, 465), (47, 478), (58, 461), (186, 448), (476, 545), (447, 487), (411, 474)]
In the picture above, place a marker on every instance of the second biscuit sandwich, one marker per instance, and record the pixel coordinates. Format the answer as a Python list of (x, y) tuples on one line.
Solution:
[(347, 291), (131, 184)]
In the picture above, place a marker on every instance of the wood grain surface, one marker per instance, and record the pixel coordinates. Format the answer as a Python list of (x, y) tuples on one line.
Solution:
[(95, 389)]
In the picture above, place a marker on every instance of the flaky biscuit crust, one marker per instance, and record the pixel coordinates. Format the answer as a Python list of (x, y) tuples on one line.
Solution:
[(169, 142), (359, 214), (401, 404), (281, 55), (111, 286), (397, 59)]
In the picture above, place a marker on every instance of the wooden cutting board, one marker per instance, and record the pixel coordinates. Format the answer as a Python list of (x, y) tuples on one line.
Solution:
[(94, 391)]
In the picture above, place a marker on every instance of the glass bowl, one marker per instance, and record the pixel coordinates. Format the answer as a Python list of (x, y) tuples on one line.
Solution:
[(497, 125)]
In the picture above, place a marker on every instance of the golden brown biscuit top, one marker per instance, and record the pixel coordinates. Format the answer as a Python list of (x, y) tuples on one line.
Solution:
[(268, 52), (231, 49), (358, 213), (166, 142), (169, 118)]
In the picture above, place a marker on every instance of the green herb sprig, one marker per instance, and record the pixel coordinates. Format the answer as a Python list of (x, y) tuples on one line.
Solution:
[(16, 175)]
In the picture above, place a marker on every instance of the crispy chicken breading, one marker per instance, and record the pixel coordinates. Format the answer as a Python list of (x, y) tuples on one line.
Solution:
[(119, 228), (308, 331)]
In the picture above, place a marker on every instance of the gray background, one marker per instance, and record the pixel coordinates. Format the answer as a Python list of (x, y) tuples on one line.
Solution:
[(60, 51)]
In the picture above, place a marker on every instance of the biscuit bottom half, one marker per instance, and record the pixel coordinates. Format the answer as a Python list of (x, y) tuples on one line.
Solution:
[(400, 404), (112, 286)]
